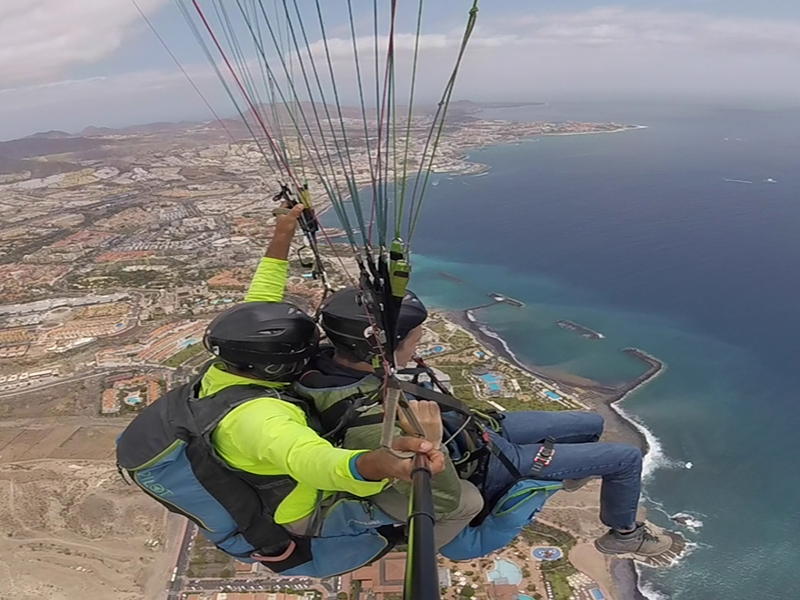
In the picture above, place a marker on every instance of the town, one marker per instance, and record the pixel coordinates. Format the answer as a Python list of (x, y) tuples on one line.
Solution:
[(117, 247)]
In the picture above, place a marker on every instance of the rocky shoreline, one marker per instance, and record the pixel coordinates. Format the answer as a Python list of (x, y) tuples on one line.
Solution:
[(619, 427)]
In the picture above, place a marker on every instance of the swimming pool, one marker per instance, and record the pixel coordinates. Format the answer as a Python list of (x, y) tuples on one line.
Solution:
[(490, 378), (597, 594), (524, 597), (505, 571)]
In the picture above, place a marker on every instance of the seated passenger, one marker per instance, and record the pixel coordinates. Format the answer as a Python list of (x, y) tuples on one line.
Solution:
[(519, 436), (336, 378)]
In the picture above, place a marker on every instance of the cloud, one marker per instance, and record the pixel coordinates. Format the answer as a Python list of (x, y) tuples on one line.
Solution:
[(659, 29), (602, 52), (609, 27), (42, 39)]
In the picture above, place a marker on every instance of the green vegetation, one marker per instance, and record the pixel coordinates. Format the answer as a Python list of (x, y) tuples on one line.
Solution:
[(526, 572), (515, 405), (561, 588), (539, 534), (556, 571), (437, 326), (467, 592), (342, 596), (461, 340), (176, 360)]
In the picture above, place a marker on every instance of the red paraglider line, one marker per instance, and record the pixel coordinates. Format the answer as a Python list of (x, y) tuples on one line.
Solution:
[(244, 93)]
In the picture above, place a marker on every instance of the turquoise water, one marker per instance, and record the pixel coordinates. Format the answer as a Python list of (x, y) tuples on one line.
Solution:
[(505, 570), (597, 594), (524, 597), (639, 237)]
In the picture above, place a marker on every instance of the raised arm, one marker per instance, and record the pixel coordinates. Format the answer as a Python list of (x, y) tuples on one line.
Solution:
[(269, 282)]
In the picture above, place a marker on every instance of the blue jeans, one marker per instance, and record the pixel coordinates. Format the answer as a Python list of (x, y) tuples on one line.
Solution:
[(577, 455)]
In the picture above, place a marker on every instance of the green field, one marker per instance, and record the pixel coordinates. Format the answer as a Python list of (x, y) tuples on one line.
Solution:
[(176, 360)]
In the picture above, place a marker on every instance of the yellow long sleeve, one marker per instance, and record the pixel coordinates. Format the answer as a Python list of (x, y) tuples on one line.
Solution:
[(269, 281)]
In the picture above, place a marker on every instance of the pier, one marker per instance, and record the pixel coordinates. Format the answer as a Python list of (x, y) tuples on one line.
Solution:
[(589, 334), (656, 366), (496, 299), (506, 300)]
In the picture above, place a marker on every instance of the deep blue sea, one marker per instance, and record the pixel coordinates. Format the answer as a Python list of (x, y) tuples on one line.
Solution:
[(638, 235)]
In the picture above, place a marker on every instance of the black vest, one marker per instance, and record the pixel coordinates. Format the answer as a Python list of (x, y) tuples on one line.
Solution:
[(250, 499)]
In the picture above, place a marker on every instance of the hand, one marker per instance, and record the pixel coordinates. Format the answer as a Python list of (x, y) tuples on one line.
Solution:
[(429, 416), (381, 464), (285, 226), (286, 221)]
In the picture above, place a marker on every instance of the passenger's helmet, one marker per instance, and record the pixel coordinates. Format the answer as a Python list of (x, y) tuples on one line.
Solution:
[(272, 341), (347, 318)]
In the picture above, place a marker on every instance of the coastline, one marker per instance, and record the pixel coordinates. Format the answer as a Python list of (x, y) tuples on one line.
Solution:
[(464, 165), (621, 426), (607, 400), (621, 129), (619, 421)]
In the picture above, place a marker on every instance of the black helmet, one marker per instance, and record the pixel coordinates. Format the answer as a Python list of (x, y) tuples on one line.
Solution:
[(348, 325), (270, 340)]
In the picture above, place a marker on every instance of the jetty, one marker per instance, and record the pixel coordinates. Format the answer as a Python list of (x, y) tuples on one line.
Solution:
[(656, 366), (506, 300), (589, 334)]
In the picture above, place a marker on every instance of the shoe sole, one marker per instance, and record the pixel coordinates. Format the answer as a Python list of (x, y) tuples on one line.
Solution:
[(631, 555)]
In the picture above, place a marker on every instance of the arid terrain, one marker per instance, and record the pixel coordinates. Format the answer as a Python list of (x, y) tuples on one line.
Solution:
[(69, 526)]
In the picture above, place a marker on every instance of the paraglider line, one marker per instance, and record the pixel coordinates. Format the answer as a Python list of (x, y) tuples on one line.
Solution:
[(244, 93)]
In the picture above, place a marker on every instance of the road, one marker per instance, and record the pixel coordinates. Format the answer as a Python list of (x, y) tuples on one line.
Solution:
[(62, 381), (176, 584)]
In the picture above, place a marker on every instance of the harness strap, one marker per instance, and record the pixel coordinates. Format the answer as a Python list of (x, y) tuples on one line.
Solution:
[(443, 400), (504, 460), (375, 419), (545, 455), (450, 403)]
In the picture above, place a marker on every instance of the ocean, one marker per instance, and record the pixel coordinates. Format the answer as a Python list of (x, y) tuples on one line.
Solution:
[(682, 239)]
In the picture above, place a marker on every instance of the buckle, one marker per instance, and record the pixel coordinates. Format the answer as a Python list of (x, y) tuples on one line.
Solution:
[(545, 455)]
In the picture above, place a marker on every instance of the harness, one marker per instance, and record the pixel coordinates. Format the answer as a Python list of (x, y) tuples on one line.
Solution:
[(167, 451), (358, 404)]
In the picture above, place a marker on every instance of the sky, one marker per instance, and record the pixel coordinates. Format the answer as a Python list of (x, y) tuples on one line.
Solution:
[(68, 64)]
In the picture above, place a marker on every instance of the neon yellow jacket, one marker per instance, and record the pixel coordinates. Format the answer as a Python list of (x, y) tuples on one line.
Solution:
[(268, 436)]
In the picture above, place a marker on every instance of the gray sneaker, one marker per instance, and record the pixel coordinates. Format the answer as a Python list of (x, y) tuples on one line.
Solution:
[(645, 540)]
